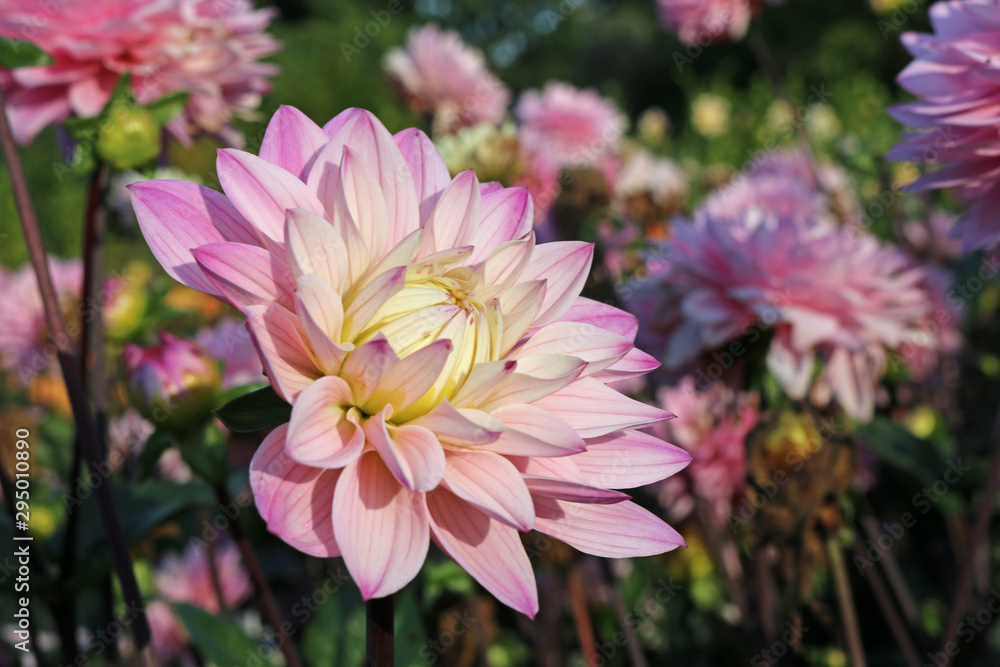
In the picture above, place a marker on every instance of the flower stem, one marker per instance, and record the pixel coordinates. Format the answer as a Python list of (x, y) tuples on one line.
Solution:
[(978, 542), (379, 632), (848, 614), (70, 366), (892, 617), (268, 605)]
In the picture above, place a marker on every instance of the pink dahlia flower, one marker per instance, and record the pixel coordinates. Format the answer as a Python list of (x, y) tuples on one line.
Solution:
[(566, 127), (188, 578), (25, 348), (439, 74), (702, 22), (229, 341), (954, 75), (827, 294), (210, 49), (713, 425), (174, 383), (447, 381)]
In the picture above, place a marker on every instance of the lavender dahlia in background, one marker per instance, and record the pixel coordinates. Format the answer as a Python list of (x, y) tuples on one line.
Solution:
[(209, 49), (777, 261), (956, 115), (446, 378)]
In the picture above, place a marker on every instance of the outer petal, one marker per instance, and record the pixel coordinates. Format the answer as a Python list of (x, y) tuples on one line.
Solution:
[(263, 192), (294, 500), (602, 315), (455, 219), (324, 431), (485, 548), (505, 215), (622, 530), (629, 459), (382, 528), (291, 140), (286, 359), (598, 347), (315, 247), (533, 431), (491, 483), (176, 217), (430, 174), (245, 274), (594, 409), (322, 315), (363, 132), (564, 265), (466, 428)]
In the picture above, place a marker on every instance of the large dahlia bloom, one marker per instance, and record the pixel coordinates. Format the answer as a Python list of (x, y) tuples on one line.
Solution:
[(439, 74), (955, 77), (702, 22), (563, 126), (826, 293), (210, 49), (447, 380)]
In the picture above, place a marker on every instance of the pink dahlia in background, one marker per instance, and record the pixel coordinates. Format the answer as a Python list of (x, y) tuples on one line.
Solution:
[(208, 48), (828, 294), (439, 74), (447, 380), (704, 21), (955, 118), (188, 578), (229, 341), (563, 126), (25, 348), (713, 424)]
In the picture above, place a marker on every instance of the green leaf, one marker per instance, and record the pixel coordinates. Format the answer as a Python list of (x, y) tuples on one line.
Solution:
[(167, 107), (335, 630), (255, 411), (157, 443), (218, 640), (15, 53)]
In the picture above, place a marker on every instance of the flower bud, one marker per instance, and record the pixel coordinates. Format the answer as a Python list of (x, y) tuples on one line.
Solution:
[(174, 384), (126, 301), (128, 138)]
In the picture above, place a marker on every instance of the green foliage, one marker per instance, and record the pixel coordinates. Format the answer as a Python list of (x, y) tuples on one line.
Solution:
[(15, 53), (255, 411), (219, 641)]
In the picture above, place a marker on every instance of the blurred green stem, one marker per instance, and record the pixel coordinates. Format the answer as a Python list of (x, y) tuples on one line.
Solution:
[(977, 543), (379, 632), (268, 605), (845, 600), (70, 366)]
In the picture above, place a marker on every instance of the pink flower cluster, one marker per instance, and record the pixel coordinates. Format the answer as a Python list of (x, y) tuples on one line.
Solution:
[(712, 424), (702, 22), (956, 78), (23, 338), (776, 262), (439, 74), (208, 48), (562, 126), (188, 578)]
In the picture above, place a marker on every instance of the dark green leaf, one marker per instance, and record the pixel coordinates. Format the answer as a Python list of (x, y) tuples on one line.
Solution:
[(255, 411), (167, 107), (15, 53), (335, 629), (217, 639)]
